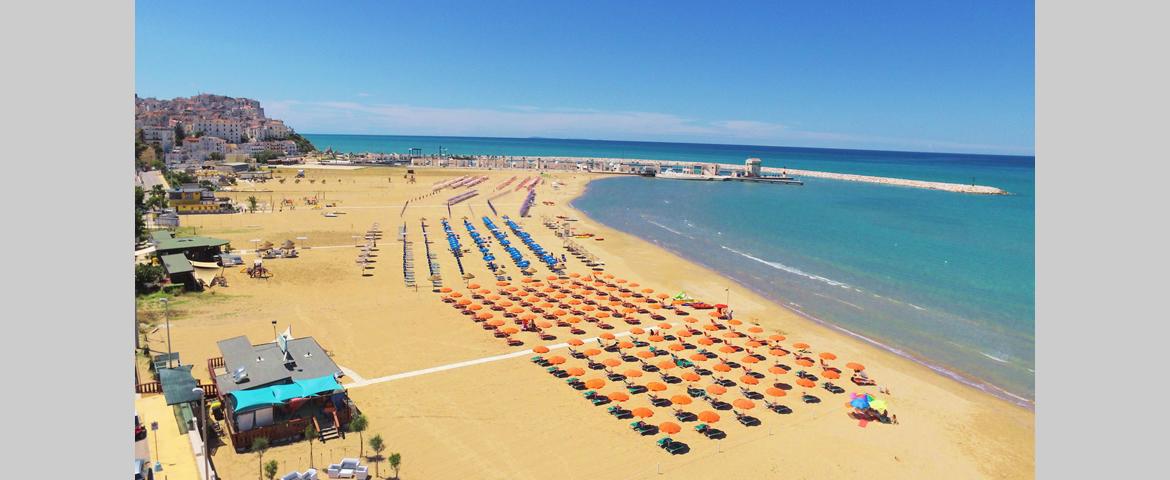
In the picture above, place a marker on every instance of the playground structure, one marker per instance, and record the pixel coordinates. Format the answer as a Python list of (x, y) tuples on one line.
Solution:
[(258, 270)]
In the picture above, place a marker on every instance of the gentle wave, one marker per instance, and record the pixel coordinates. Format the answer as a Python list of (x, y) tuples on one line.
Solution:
[(1000, 360), (792, 270), (671, 230)]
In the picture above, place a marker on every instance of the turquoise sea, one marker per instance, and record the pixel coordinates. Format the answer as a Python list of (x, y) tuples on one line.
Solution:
[(945, 278)]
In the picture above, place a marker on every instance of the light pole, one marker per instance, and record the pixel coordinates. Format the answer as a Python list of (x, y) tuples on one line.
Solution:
[(203, 435), (167, 315), (274, 335)]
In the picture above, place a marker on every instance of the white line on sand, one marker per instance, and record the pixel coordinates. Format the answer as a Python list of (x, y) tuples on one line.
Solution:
[(361, 382)]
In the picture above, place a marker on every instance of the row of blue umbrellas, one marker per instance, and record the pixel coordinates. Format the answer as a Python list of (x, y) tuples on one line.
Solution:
[(503, 239), (453, 242), (525, 237), (481, 243)]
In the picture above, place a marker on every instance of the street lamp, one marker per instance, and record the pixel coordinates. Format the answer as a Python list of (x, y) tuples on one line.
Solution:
[(167, 315), (203, 414)]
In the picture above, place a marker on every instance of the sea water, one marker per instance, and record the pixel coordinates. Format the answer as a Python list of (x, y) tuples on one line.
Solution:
[(945, 278)]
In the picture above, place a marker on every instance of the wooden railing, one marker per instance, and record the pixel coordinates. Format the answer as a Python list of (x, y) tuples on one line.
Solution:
[(148, 387)]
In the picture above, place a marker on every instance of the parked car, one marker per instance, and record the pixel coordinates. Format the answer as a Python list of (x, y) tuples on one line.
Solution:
[(139, 429)]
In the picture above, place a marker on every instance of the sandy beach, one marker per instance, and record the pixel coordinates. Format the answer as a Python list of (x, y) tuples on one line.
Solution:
[(434, 384)]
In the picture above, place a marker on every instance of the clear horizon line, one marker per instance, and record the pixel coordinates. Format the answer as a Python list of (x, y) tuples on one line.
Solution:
[(1032, 155)]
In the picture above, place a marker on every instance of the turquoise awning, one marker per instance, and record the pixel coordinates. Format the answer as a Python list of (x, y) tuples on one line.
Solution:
[(247, 400)]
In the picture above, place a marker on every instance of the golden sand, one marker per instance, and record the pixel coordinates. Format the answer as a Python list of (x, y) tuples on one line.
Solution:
[(511, 419)]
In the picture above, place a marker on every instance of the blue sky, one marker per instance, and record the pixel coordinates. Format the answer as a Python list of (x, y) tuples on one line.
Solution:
[(911, 75)]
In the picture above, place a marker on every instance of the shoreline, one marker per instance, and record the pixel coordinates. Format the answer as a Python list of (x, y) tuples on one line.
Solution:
[(445, 394), (949, 373)]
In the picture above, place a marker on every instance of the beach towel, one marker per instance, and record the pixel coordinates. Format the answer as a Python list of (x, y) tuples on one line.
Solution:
[(862, 423)]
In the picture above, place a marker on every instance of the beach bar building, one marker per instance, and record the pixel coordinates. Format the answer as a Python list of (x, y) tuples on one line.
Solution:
[(274, 390), (176, 255)]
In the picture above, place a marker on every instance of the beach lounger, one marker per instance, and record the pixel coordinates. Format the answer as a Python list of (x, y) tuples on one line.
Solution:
[(644, 428), (512, 342), (746, 420), (696, 392), (833, 388), (778, 408), (808, 398), (862, 382), (671, 446)]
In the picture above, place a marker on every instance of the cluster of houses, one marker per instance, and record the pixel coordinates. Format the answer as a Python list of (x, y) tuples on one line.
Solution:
[(213, 126)]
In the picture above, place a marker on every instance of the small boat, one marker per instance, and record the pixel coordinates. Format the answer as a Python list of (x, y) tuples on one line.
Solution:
[(330, 214)]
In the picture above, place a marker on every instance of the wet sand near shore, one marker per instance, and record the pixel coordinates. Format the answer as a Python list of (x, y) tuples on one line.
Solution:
[(511, 419)]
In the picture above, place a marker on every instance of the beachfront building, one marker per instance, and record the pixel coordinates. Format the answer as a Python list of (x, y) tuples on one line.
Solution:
[(274, 390), (193, 198), (177, 254)]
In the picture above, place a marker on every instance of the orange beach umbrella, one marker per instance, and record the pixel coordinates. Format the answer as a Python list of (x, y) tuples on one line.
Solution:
[(708, 416), (540, 349), (744, 403), (618, 396), (642, 412), (669, 428)]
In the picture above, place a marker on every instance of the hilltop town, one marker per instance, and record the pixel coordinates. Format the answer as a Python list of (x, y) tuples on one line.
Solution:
[(206, 130)]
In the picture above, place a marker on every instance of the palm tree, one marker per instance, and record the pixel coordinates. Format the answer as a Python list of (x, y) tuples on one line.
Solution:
[(270, 469), (395, 463), (260, 445), (377, 446), (252, 201), (358, 425), (310, 434)]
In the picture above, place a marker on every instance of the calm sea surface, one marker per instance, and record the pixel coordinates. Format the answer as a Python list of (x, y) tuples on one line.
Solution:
[(946, 278)]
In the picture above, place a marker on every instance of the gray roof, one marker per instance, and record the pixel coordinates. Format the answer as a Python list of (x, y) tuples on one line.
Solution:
[(310, 361), (177, 384)]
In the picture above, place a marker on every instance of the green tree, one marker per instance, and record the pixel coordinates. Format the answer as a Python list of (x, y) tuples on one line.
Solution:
[(358, 425), (179, 134), (377, 446), (303, 144), (395, 463), (267, 155), (252, 201), (243, 138), (310, 434), (139, 208), (270, 469), (158, 198), (260, 445), (215, 156), (146, 277)]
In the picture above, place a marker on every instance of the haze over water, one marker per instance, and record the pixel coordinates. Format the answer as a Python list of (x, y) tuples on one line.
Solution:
[(944, 277)]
